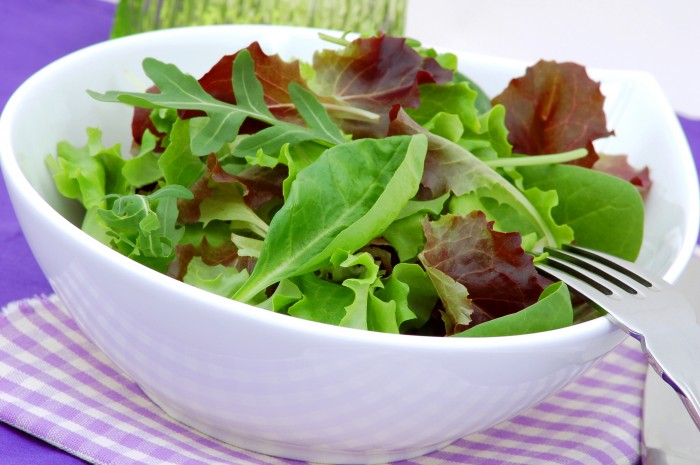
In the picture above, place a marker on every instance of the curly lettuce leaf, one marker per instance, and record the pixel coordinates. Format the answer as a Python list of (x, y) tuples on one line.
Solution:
[(451, 168), (218, 279), (457, 309), (492, 266), (374, 74), (554, 108), (90, 172), (143, 227)]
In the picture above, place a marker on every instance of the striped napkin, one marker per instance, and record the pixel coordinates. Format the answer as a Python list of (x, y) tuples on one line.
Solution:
[(56, 385)]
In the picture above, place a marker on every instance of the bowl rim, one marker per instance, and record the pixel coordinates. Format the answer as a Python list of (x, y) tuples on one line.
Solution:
[(18, 184)]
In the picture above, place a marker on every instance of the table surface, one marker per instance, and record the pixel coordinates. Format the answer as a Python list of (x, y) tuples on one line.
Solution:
[(32, 34)]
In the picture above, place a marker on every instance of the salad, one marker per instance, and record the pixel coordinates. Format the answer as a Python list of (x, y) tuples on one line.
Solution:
[(376, 187)]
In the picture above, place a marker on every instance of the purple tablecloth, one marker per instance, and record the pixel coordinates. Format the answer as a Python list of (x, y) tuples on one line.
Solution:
[(32, 34)]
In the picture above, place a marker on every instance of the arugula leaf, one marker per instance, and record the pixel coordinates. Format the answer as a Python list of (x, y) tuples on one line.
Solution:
[(182, 92), (324, 212), (274, 74)]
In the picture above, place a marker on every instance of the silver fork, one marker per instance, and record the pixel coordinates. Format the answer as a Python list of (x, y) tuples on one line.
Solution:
[(643, 305)]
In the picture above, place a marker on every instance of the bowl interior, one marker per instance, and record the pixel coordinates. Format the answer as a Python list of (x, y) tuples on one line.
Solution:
[(53, 105)]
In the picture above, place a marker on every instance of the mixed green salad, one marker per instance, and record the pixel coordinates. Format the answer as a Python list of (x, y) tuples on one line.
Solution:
[(375, 187)]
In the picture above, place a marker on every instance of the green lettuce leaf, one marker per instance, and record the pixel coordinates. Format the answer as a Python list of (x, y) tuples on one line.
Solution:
[(325, 213), (90, 172)]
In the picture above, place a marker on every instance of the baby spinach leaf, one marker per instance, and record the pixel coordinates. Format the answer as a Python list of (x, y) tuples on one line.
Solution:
[(325, 212), (605, 212), (553, 310), (619, 166)]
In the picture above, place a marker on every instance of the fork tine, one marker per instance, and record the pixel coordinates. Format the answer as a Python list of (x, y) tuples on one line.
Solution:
[(600, 266), (624, 267), (558, 270)]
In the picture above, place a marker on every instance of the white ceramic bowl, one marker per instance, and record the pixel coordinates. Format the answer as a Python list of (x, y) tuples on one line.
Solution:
[(286, 386)]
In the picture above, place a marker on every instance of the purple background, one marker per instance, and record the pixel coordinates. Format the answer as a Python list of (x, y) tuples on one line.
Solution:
[(33, 33)]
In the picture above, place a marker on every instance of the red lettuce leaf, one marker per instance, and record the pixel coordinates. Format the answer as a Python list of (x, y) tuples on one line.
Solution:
[(260, 185), (499, 276), (274, 74), (223, 254), (141, 121), (618, 165), (375, 74), (554, 108)]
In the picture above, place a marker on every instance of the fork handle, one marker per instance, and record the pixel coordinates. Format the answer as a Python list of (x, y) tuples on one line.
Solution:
[(670, 339)]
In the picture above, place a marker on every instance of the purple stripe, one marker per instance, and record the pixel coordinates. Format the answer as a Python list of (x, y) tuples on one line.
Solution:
[(632, 409), (620, 370), (610, 419), (465, 457), (583, 430), (486, 446), (566, 444), (598, 382), (631, 352), (195, 441)]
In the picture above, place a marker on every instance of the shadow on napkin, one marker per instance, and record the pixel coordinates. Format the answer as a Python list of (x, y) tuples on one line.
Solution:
[(58, 386)]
